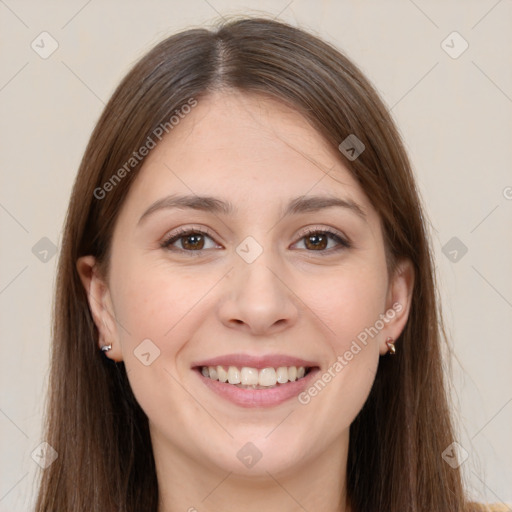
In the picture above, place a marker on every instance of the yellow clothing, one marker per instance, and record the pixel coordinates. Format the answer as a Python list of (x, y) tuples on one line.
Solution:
[(490, 507)]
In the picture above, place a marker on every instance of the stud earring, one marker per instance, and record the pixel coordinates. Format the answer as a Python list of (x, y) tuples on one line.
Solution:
[(391, 345), (106, 348)]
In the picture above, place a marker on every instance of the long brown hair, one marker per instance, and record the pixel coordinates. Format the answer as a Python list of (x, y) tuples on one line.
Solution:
[(99, 431)]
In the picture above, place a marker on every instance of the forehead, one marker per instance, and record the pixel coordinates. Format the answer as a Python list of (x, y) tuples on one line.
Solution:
[(247, 149)]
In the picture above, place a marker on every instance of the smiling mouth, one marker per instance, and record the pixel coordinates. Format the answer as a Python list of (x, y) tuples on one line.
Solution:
[(254, 378)]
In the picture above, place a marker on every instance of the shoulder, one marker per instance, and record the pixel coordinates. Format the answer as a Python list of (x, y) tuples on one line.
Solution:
[(491, 507)]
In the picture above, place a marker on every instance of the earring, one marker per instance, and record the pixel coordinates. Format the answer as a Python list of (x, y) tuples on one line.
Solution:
[(106, 348), (391, 345)]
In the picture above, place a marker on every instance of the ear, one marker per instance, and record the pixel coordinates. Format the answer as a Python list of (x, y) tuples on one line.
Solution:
[(100, 305), (398, 302)]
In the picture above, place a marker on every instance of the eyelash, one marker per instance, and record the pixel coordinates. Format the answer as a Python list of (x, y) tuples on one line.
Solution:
[(184, 232)]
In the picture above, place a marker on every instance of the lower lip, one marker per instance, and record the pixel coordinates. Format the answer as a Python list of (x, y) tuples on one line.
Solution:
[(258, 397)]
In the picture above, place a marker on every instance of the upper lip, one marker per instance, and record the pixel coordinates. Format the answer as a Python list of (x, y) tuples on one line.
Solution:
[(259, 362)]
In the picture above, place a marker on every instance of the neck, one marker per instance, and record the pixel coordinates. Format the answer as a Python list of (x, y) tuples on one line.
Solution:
[(194, 486)]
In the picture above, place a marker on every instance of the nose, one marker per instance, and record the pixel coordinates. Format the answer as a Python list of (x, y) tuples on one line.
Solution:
[(256, 299)]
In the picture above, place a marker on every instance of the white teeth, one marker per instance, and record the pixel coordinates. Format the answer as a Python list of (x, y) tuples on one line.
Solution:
[(266, 377), (282, 375), (222, 374), (249, 376), (233, 375)]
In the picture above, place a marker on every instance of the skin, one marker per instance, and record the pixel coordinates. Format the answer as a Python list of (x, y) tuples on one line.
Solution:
[(258, 154)]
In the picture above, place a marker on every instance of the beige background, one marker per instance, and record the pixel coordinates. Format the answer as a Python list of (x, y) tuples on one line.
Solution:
[(454, 113)]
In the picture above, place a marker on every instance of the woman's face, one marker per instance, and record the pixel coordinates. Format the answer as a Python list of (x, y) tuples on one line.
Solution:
[(230, 252)]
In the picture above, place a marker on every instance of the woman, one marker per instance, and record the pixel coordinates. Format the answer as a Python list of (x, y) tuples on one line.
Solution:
[(246, 307)]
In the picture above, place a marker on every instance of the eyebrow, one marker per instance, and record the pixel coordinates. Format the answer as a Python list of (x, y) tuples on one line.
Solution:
[(302, 204)]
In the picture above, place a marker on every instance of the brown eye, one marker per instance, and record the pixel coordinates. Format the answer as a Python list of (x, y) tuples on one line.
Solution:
[(318, 240), (192, 241), (188, 240)]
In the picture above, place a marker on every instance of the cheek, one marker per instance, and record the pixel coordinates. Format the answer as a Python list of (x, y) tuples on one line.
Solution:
[(166, 307), (350, 303), (347, 300), (161, 304), (159, 312)]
